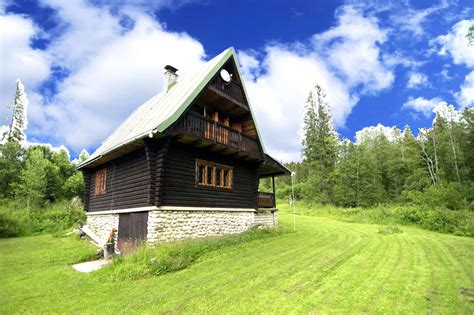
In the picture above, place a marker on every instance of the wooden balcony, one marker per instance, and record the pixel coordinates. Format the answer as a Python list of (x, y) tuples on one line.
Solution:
[(232, 89), (266, 200), (199, 126)]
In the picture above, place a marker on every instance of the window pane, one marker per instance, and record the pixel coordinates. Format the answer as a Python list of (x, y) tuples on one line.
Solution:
[(218, 177), (209, 175), (201, 172), (226, 178)]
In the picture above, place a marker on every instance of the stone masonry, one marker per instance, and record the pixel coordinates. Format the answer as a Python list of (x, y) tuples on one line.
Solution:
[(173, 225), (169, 225), (102, 224), (266, 217)]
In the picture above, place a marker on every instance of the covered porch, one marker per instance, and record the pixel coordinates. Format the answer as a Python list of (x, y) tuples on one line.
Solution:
[(270, 168)]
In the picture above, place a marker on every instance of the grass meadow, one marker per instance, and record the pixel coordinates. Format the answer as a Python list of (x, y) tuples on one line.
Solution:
[(326, 265)]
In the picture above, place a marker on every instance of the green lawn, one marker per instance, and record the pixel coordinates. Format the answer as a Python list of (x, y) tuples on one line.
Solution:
[(326, 266)]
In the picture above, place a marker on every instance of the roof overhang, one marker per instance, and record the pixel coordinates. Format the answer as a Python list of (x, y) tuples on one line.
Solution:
[(271, 167)]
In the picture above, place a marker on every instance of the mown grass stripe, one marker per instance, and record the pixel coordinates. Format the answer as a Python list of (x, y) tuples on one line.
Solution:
[(325, 266)]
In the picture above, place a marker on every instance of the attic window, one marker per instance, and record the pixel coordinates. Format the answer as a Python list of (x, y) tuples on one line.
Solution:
[(100, 182), (211, 175)]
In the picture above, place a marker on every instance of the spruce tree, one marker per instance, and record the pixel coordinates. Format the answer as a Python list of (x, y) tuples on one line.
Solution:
[(319, 145), (19, 121)]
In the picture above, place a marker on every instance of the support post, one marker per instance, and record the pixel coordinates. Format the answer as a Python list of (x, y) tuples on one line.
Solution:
[(274, 195)]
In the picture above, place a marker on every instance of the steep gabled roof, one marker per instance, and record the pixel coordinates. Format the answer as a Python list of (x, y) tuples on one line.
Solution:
[(163, 109)]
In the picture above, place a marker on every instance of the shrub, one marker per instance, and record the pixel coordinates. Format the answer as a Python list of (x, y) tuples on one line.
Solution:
[(459, 222), (16, 220), (9, 227), (451, 196)]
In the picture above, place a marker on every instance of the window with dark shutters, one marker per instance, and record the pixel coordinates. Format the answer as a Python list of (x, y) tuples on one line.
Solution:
[(100, 182), (211, 175)]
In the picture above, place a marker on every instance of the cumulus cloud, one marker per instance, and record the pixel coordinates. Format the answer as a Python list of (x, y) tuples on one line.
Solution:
[(278, 97), (465, 96), (416, 80), (112, 71), (372, 132), (456, 45), (345, 61), (19, 60), (113, 67), (422, 105), (352, 48)]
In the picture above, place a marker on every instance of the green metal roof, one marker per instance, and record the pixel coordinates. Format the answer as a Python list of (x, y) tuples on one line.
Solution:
[(163, 109)]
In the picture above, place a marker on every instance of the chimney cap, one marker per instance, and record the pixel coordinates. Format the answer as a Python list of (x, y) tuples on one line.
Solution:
[(171, 68)]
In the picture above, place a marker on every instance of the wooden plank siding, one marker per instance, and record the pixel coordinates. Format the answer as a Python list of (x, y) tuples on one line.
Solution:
[(179, 188), (162, 151), (163, 173), (128, 183), (87, 188)]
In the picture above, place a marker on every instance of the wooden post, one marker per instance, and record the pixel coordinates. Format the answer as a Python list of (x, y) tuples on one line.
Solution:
[(274, 195)]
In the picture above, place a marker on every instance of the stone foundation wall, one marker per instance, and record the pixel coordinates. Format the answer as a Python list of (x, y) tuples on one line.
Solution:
[(165, 225), (102, 224), (172, 225), (266, 218)]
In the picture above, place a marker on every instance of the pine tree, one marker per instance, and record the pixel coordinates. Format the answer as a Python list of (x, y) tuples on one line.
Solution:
[(19, 121), (319, 145), (320, 139)]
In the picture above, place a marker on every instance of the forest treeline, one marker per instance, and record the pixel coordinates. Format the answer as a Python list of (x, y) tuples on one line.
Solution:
[(434, 169), (38, 184), (34, 174)]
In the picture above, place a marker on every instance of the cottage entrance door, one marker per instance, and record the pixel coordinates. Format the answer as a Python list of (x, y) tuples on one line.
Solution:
[(132, 230)]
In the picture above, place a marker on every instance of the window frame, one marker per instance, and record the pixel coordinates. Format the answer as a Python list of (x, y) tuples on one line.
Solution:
[(100, 184), (229, 186)]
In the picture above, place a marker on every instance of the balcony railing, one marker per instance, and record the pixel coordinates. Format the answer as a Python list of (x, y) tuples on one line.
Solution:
[(266, 200), (200, 126), (232, 88)]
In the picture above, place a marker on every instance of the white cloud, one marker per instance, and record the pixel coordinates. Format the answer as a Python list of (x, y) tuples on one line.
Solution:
[(447, 112), (278, 97), (444, 74), (345, 61), (422, 105), (372, 132), (113, 71), (417, 80), (18, 59), (352, 48), (465, 97), (456, 45), (413, 20)]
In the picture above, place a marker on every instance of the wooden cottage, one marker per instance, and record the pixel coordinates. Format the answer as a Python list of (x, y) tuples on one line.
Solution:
[(185, 164)]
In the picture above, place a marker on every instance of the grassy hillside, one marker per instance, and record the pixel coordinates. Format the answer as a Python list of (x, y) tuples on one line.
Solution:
[(327, 265)]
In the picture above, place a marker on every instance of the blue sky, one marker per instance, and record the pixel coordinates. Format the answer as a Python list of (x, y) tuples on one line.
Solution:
[(87, 64)]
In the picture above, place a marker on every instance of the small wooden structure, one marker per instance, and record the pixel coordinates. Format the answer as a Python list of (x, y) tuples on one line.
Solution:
[(191, 154)]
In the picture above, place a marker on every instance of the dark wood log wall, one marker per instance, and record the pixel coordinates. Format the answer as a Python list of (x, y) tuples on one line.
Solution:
[(128, 183), (179, 188), (162, 151), (163, 173), (86, 174)]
